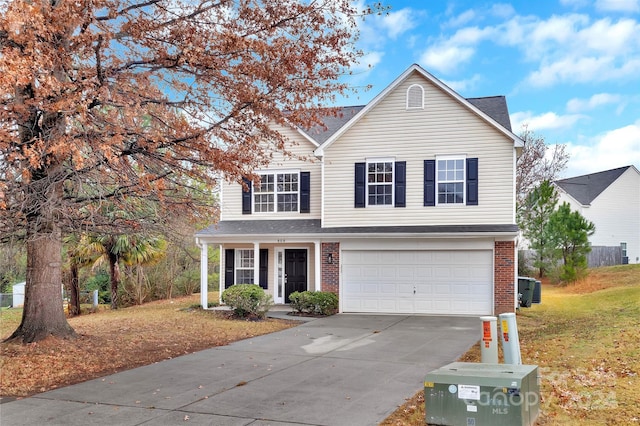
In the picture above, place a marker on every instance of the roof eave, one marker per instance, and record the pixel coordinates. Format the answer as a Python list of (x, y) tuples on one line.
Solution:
[(352, 235)]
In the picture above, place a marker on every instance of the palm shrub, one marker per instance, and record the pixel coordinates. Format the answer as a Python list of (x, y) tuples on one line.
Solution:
[(247, 300)]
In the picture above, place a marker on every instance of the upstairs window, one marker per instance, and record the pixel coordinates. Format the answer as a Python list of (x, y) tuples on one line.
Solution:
[(451, 181), (450, 174), (379, 183), (415, 97), (264, 197), (277, 192)]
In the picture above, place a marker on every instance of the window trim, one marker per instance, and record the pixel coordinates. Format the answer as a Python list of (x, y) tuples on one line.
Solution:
[(390, 160), (275, 192), (463, 181)]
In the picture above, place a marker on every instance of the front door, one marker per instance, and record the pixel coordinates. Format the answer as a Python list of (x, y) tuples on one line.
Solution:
[(295, 271)]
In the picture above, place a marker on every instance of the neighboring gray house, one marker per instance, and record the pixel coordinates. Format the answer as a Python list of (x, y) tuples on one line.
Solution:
[(611, 200), (406, 206)]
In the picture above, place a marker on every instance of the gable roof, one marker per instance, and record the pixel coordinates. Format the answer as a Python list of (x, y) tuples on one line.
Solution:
[(491, 104), (586, 188), (331, 123)]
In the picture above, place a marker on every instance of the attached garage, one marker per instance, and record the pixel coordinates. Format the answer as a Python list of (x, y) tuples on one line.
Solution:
[(452, 282)]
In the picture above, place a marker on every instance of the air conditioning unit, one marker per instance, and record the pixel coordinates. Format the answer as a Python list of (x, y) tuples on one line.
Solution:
[(473, 394)]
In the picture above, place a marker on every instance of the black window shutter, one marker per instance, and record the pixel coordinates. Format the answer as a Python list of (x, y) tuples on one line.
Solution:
[(361, 185), (401, 184), (264, 268), (305, 192), (429, 182), (246, 197), (228, 267), (472, 181)]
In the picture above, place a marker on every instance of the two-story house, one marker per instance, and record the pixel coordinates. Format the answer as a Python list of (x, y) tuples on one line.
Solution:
[(611, 200), (407, 205)]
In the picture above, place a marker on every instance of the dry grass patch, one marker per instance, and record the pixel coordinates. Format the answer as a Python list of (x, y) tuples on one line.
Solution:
[(585, 339), (111, 341)]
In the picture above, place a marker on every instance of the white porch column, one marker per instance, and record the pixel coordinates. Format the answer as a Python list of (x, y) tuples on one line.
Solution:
[(221, 269), (256, 263), (204, 276), (317, 265)]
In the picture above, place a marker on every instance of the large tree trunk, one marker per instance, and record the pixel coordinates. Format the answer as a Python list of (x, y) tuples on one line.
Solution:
[(43, 314)]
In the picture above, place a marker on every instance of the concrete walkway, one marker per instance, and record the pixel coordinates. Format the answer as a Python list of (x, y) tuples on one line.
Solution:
[(340, 370)]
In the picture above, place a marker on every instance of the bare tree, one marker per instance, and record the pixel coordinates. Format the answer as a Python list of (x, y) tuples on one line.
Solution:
[(139, 103), (537, 163)]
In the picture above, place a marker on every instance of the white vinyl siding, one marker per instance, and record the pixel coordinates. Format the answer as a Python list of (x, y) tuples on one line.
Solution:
[(443, 128), (615, 213), (231, 195)]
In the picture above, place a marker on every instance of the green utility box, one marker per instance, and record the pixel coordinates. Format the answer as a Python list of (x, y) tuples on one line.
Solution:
[(526, 286), (473, 394)]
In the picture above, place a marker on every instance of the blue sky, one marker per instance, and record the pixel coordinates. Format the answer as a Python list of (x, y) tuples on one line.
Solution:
[(570, 69)]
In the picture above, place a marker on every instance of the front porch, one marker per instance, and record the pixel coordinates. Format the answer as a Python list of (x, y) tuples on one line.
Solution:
[(279, 267)]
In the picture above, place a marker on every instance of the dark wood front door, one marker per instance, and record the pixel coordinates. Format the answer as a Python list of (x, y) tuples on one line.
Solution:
[(295, 271)]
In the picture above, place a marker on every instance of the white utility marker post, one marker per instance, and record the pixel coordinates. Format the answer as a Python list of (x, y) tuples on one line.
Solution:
[(489, 344), (509, 339)]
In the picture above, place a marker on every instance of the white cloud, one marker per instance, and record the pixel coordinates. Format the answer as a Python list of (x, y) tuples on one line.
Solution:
[(571, 48), (461, 19), (548, 120), (396, 23), (579, 105), (618, 5), (608, 37), (462, 86), (583, 70), (446, 58), (367, 62), (377, 30), (615, 148)]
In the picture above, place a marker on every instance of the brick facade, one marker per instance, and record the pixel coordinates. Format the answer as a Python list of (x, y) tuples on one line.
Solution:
[(330, 274), (504, 277)]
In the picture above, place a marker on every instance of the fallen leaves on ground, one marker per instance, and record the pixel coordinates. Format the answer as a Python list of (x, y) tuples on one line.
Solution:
[(112, 341)]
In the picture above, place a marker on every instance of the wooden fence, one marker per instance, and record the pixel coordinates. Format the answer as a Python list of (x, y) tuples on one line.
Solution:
[(604, 256)]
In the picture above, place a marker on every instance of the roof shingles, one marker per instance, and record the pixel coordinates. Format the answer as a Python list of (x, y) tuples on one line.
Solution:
[(314, 227), (586, 188)]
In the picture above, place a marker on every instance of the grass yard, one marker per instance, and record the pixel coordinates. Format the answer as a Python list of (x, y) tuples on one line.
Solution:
[(585, 338), (110, 341)]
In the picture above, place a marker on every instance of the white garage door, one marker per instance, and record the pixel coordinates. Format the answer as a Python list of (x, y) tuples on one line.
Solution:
[(429, 282)]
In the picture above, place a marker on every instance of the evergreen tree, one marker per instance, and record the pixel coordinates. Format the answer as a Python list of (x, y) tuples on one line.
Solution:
[(569, 235), (532, 219)]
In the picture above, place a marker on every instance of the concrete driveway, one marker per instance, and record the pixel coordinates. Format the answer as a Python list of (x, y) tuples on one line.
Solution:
[(340, 370)]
